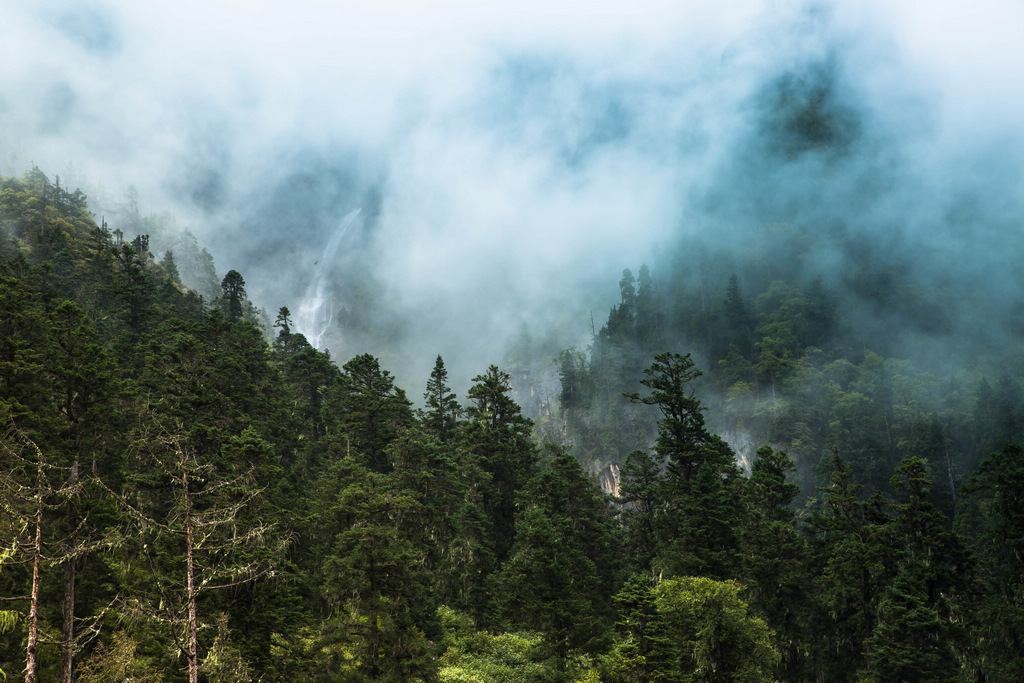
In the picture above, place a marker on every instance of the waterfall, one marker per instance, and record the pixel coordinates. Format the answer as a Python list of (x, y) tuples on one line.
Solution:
[(316, 310)]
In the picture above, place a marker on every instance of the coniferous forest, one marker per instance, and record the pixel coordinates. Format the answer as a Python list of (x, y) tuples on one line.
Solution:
[(191, 491)]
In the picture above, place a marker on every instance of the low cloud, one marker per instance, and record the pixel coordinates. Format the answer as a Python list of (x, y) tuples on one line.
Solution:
[(510, 158)]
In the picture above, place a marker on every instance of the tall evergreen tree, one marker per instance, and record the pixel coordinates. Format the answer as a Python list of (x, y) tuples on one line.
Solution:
[(627, 289), (576, 381), (698, 533), (649, 323), (776, 562), (311, 379), (373, 582), (372, 411), (642, 493), (83, 393), (562, 569), (233, 295), (497, 440), (32, 484), (646, 650), (994, 496), (132, 286), (197, 531), (441, 414), (911, 641), (854, 540), (738, 321), (681, 430)]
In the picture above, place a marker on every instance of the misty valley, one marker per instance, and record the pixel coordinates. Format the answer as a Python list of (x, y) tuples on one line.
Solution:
[(511, 342), (741, 476)]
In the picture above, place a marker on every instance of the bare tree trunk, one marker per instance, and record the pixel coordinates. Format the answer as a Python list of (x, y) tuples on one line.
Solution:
[(33, 614), (67, 648), (193, 657)]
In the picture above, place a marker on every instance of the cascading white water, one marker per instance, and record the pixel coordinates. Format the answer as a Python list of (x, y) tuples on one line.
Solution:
[(316, 310)]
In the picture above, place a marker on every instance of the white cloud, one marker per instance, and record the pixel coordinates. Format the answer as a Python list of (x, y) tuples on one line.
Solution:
[(559, 139)]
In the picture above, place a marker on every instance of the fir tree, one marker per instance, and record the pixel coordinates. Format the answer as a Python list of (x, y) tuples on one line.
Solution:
[(441, 414), (497, 440)]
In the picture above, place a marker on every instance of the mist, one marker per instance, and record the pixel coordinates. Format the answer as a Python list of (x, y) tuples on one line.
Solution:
[(508, 159)]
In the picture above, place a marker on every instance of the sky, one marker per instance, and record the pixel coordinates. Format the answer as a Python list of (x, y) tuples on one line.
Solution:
[(507, 159)]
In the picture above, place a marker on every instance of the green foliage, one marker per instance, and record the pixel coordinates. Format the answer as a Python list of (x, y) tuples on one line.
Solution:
[(309, 378), (497, 439), (372, 411), (372, 580), (700, 530), (691, 509), (562, 569), (854, 539), (233, 287), (642, 495), (911, 641), (646, 650), (331, 519), (681, 430), (8, 618), (776, 561), (119, 662), (994, 517), (223, 663), (597, 423), (576, 380), (698, 629), (470, 656), (767, 489), (441, 414)]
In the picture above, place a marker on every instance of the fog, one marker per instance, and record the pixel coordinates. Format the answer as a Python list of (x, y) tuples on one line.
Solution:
[(509, 159)]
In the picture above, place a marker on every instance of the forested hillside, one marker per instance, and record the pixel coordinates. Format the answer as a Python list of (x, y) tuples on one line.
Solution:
[(800, 365), (189, 496)]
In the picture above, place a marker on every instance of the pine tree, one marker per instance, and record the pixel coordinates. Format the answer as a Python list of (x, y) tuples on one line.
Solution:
[(995, 493), (33, 484), (80, 377), (497, 439), (681, 430), (372, 579), (133, 287), (312, 379), (372, 411), (855, 545), (426, 469), (647, 651), (699, 532), (642, 495), (562, 569), (198, 537), (738, 321), (911, 641), (441, 414), (649, 322), (776, 561), (233, 296), (701, 528), (576, 381)]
